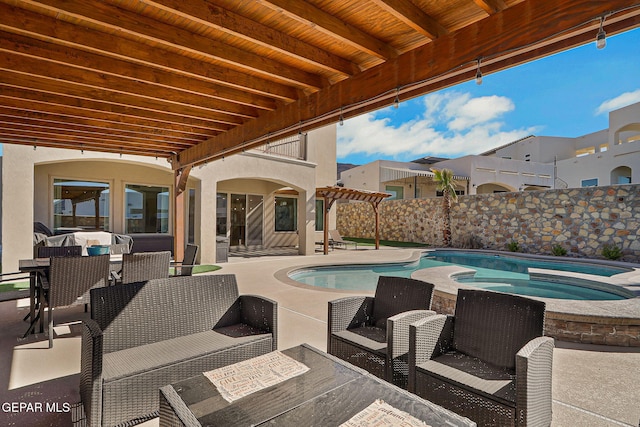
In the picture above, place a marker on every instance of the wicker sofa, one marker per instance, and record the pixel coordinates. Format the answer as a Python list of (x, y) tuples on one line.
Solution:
[(145, 335), (489, 362)]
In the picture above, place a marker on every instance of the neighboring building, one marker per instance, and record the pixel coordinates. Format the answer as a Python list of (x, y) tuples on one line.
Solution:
[(258, 199), (607, 157)]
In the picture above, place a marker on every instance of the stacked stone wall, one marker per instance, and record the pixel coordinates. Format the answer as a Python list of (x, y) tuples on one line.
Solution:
[(582, 221)]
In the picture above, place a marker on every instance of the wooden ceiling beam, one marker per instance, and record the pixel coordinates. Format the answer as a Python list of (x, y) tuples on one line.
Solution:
[(35, 48), (322, 21), (129, 24), (32, 107), (107, 82), (64, 102), (17, 122), (83, 123), (72, 145), (521, 27), (39, 26), (413, 16), (491, 6), (26, 130), (231, 23), (78, 91)]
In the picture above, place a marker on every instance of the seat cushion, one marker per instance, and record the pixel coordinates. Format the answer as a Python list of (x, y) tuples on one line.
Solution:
[(475, 375), (368, 337), (135, 360), (132, 377)]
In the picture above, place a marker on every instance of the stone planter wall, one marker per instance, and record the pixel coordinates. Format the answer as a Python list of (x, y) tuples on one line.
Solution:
[(580, 220)]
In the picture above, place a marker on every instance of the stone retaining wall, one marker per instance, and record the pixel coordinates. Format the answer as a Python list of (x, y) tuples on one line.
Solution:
[(581, 220)]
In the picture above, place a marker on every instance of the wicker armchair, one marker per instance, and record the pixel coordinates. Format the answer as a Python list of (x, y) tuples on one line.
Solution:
[(143, 336), (489, 362), (70, 279), (142, 266), (373, 332)]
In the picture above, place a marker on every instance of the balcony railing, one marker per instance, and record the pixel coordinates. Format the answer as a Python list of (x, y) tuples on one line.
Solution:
[(294, 147)]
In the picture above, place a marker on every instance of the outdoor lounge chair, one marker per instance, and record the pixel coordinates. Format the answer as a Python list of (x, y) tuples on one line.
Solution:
[(373, 332), (336, 240), (489, 362)]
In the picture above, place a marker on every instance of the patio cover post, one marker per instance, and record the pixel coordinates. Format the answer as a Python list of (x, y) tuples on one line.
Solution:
[(377, 212), (327, 207), (180, 179)]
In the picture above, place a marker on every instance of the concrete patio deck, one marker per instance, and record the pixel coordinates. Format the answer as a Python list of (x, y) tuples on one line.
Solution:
[(592, 385)]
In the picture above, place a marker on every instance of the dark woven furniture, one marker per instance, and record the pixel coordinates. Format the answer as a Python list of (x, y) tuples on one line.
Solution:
[(138, 267), (70, 279), (373, 332), (49, 251), (185, 268), (143, 336), (489, 362)]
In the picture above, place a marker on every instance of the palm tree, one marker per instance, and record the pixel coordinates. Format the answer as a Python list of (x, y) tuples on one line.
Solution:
[(446, 184)]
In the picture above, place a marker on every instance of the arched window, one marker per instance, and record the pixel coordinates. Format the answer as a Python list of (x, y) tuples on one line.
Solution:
[(621, 175)]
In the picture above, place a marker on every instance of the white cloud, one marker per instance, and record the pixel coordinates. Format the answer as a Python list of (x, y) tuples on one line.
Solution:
[(452, 124), (620, 101)]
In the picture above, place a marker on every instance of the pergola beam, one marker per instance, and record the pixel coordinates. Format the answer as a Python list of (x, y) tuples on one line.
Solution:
[(522, 27)]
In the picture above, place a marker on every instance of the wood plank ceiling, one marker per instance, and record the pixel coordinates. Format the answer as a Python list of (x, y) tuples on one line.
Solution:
[(200, 79)]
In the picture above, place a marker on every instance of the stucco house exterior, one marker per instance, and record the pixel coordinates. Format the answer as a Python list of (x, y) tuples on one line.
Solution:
[(261, 198), (607, 157)]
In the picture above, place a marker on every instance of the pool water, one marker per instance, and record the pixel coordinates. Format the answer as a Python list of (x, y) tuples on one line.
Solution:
[(497, 273)]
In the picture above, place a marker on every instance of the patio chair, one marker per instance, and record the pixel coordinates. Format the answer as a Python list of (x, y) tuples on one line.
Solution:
[(185, 268), (336, 240), (489, 362), (143, 266), (373, 332), (70, 280)]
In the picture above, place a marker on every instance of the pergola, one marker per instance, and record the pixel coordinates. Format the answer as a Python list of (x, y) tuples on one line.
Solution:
[(330, 194), (194, 81)]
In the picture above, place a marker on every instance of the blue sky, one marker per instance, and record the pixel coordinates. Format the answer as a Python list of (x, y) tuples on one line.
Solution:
[(567, 94)]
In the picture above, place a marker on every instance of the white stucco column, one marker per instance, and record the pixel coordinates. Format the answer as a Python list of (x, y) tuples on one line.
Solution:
[(306, 222), (207, 228), (17, 206)]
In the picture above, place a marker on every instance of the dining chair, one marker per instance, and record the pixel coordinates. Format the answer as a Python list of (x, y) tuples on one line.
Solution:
[(143, 266), (185, 268), (50, 251), (70, 279)]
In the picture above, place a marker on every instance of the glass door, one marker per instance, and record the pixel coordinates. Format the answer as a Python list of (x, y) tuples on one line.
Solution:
[(238, 214), (254, 220)]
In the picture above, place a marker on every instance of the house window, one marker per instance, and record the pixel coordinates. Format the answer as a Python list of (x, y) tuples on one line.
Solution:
[(286, 214), (146, 209), (80, 205), (319, 215), (397, 192), (593, 182)]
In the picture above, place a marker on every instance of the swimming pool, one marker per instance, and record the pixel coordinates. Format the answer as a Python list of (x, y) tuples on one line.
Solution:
[(502, 273)]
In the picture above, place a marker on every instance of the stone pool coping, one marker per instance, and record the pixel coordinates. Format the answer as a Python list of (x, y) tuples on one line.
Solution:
[(614, 323)]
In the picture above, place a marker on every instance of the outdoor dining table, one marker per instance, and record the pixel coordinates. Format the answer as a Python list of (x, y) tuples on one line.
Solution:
[(330, 393), (37, 267)]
